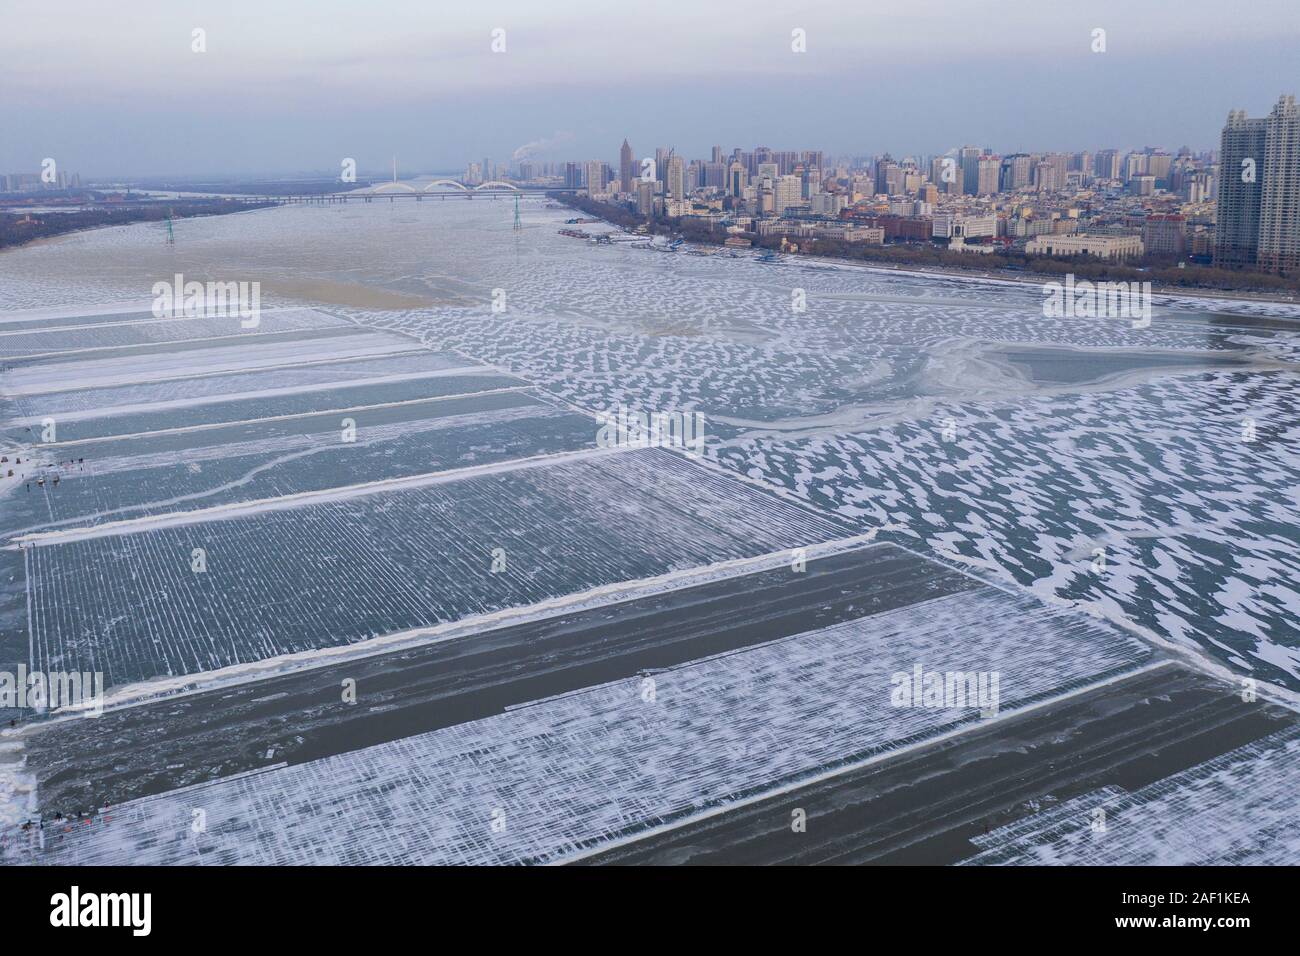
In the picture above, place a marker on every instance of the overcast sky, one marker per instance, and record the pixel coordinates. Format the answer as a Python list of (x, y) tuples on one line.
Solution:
[(291, 85)]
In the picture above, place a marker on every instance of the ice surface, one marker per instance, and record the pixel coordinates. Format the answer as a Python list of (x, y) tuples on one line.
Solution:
[(573, 772), (97, 369), (844, 406), (282, 380), (280, 580), (23, 339), (1238, 808)]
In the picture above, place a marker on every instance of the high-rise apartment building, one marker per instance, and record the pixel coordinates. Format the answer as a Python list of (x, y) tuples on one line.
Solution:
[(737, 179), (626, 167), (661, 162), (1135, 164), (812, 181), (1142, 185), (936, 169), (787, 191), (645, 197), (675, 182), (1279, 208), (1159, 165), (1107, 164), (970, 157), (1236, 230), (1199, 187), (786, 160), (887, 175), (1017, 172), (1060, 162)]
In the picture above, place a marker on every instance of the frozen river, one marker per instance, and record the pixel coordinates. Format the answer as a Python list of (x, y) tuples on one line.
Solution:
[(1152, 474)]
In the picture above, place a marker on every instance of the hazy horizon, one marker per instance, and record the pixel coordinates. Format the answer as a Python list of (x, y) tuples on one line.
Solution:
[(299, 87)]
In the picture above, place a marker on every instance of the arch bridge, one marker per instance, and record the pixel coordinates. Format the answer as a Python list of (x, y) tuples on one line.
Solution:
[(400, 187), (438, 188)]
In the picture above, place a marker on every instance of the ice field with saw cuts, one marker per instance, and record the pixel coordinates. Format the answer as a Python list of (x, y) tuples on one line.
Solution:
[(1236, 809), (286, 577), (573, 773), (196, 506)]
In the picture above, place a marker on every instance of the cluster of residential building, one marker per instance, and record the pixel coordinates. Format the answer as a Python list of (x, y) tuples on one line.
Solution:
[(36, 182), (478, 173), (1235, 207)]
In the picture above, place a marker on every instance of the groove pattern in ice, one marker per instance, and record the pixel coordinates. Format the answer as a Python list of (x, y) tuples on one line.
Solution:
[(569, 773)]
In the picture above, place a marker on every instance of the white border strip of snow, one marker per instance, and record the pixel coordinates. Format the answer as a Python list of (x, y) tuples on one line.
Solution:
[(76, 312), (164, 345), (280, 418), (118, 325), (343, 493), (223, 371), (112, 411)]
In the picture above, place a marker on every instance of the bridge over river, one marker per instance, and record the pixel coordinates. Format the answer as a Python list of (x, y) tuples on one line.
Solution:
[(434, 189)]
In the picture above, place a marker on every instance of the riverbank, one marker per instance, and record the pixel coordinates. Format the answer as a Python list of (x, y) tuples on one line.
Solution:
[(861, 257), (17, 230)]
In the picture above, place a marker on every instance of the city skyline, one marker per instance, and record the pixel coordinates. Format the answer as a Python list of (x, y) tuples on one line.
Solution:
[(557, 156)]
